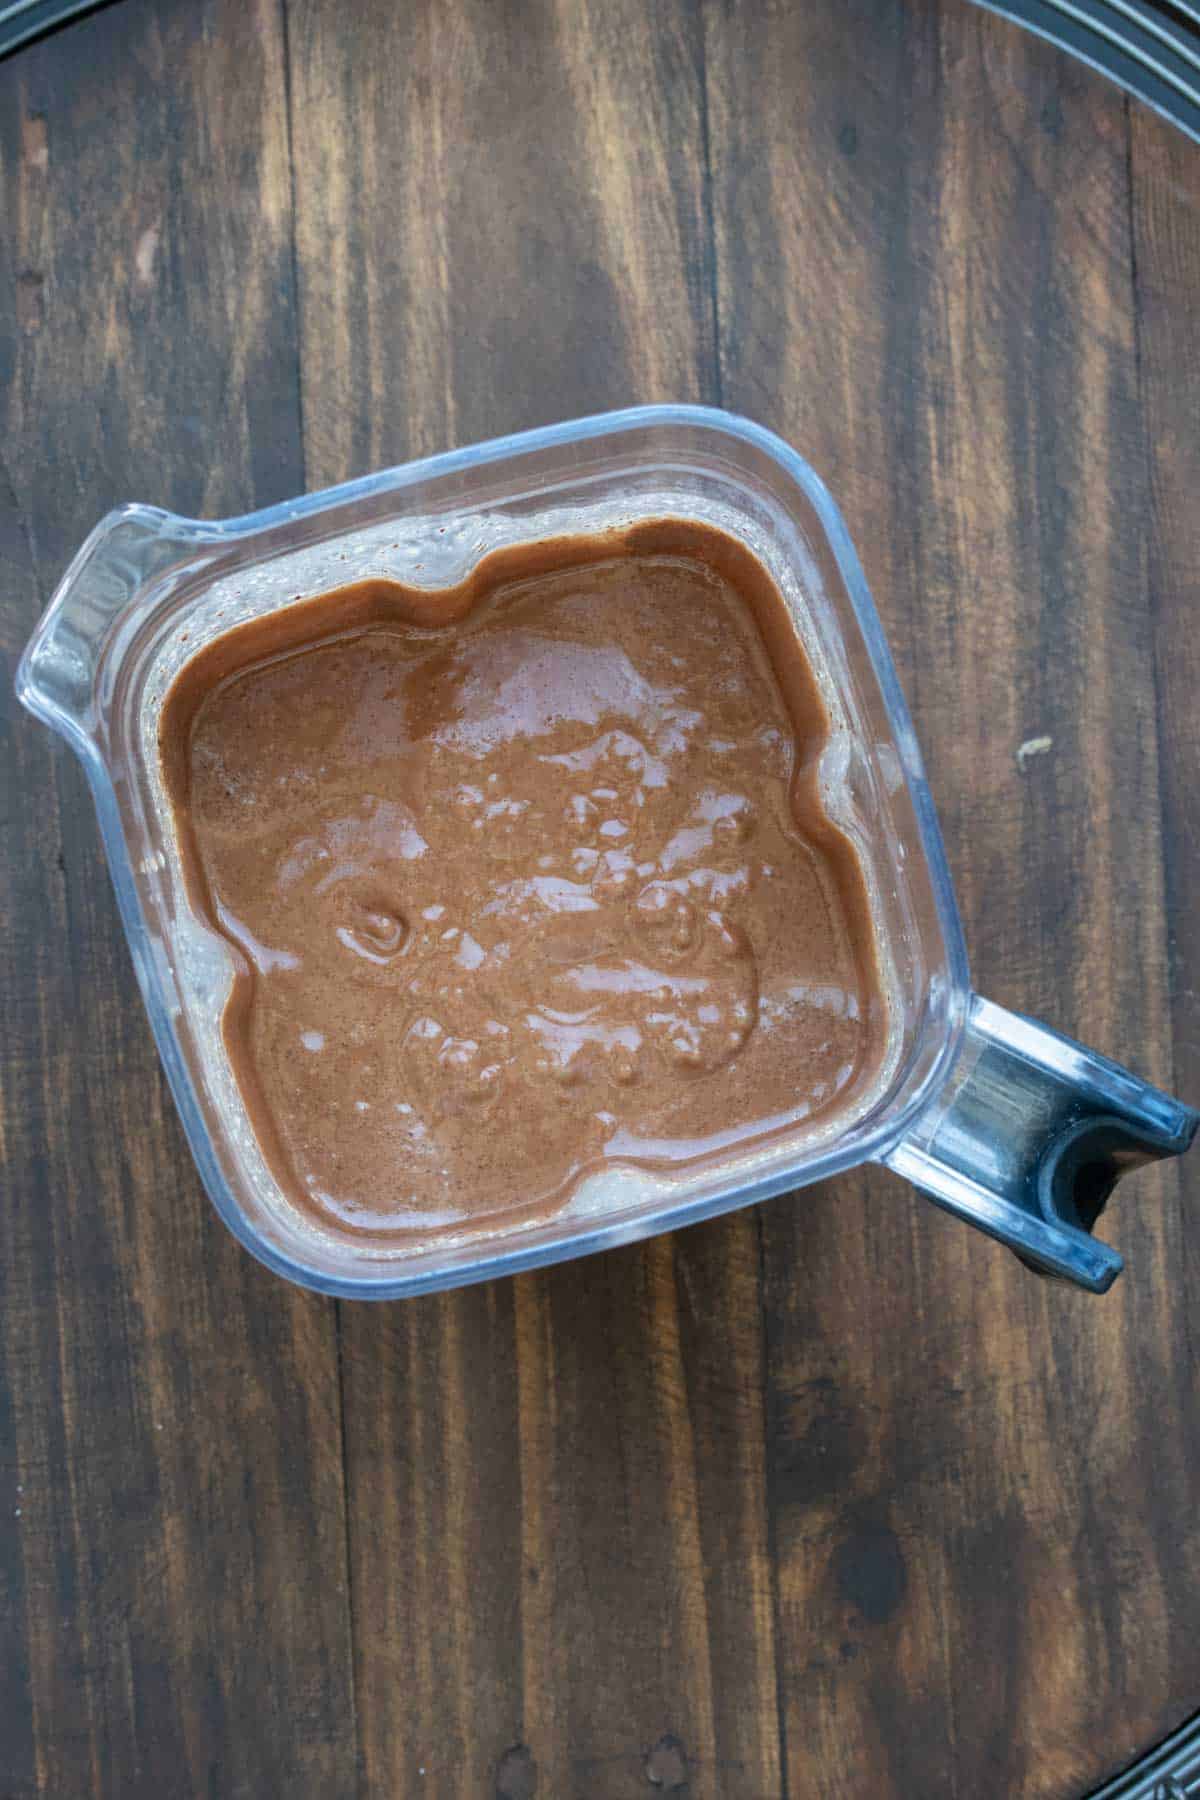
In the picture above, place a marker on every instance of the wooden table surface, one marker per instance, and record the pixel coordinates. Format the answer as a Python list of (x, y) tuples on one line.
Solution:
[(829, 1498)]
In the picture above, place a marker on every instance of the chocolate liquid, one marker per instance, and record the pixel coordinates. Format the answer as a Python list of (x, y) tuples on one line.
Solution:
[(523, 877)]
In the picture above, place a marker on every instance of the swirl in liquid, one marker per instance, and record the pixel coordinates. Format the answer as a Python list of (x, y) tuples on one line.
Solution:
[(523, 877)]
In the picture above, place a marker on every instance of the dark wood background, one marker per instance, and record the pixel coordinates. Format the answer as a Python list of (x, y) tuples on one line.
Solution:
[(829, 1498)]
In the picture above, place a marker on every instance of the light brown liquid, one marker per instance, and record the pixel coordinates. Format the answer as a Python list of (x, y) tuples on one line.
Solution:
[(523, 877)]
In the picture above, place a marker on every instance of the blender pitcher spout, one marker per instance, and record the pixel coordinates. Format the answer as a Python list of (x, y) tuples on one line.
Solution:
[(58, 673)]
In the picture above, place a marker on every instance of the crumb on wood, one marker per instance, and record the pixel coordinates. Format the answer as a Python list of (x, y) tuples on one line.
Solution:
[(1034, 746)]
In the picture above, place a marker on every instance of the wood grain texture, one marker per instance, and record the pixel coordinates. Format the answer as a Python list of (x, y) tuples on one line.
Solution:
[(173, 1599), (826, 1499), (984, 1530), (1166, 245)]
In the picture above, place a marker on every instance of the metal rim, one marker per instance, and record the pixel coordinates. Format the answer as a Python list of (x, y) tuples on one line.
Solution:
[(23, 20), (1151, 48), (1171, 1771)]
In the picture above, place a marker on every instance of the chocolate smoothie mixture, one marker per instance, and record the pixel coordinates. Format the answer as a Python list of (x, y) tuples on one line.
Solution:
[(523, 877)]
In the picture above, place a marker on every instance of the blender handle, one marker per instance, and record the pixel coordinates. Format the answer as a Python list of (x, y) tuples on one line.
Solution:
[(1028, 1137)]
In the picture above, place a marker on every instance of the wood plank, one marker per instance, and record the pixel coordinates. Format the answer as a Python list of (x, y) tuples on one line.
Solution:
[(558, 1524), (172, 1567), (984, 1531), (1165, 178), (499, 220)]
